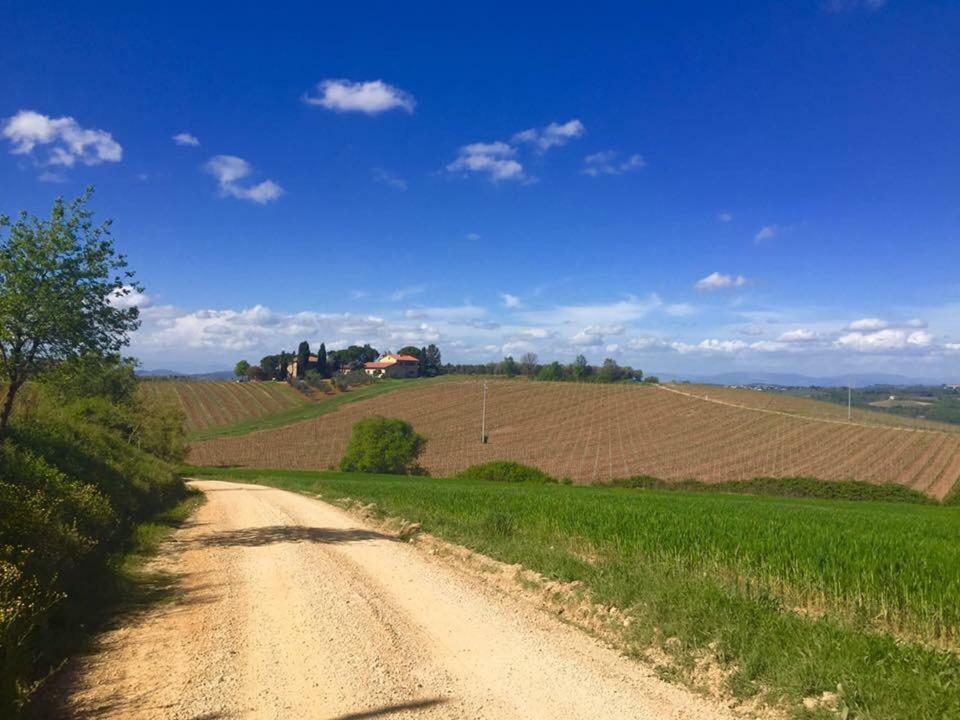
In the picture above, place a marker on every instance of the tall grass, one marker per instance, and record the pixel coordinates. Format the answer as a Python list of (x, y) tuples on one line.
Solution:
[(796, 596)]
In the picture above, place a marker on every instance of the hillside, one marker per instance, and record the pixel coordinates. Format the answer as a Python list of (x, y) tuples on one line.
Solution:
[(592, 433), (807, 407), (217, 404)]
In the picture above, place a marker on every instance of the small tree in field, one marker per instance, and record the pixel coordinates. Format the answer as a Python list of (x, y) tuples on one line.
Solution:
[(383, 445), (241, 368), (64, 293)]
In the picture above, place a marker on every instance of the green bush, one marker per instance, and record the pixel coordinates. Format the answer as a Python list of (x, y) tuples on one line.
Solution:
[(75, 479), (383, 445), (506, 472)]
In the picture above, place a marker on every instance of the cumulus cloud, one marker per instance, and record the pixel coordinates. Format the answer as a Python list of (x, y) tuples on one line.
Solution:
[(869, 324), (718, 281), (372, 97), (800, 335), (510, 301), (594, 335), (886, 340), (185, 138), (606, 163), (767, 232), (67, 142), (553, 135), (495, 159), (229, 170)]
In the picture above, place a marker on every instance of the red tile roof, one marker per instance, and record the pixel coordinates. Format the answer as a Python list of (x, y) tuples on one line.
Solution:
[(377, 365), (404, 358)]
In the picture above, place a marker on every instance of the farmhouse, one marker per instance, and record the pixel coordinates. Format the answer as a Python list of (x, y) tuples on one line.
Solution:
[(293, 366), (393, 366)]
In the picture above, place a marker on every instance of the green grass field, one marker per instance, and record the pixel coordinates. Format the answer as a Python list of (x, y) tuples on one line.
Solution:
[(795, 597)]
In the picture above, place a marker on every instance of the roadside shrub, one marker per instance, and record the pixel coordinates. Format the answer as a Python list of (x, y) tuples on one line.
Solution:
[(505, 471), (383, 445), (73, 484)]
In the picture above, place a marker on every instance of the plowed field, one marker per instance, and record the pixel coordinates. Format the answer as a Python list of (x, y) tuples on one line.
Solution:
[(593, 433)]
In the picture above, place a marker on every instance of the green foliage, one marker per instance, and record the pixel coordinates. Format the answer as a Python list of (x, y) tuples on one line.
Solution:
[(303, 359), (241, 368), (793, 596), (506, 472), (323, 368), (73, 485), (509, 367), (383, 445), (63, 293), (652, 379)]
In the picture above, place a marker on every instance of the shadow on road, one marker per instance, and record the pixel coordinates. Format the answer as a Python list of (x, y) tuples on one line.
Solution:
[(254, 537), (390, 709)]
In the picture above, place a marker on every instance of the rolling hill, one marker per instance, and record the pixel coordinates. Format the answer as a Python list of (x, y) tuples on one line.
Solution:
[(593, 433), (215, 404)]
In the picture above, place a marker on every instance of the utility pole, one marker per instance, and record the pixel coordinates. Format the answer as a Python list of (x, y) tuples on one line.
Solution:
[(849, 403), (483, 416)]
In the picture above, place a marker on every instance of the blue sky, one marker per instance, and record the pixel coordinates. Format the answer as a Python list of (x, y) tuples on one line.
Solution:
[(692, 187)]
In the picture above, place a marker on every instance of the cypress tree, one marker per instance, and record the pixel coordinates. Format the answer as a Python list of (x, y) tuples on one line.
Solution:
[(322, 361), (303, 357)]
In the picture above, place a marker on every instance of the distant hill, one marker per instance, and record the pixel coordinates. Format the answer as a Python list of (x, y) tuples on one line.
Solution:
[(218, 375), (795, 380)]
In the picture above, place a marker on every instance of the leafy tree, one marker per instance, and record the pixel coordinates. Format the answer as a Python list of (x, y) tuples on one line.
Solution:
[(552, 372), (432, 364), (580, 369), (64, 293), (610, 371), (652, 379), (269, 365), (383, 445), (322, 367), (416, 352), (282, 366), (241, 368), (303, 358), (508, 366), (256, 373)]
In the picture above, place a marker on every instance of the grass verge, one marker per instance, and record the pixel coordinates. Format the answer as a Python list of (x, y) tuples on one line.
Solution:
[(794, 598), (307, 410)]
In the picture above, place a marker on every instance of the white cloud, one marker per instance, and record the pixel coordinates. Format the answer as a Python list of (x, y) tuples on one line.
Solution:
[(605, 163), (800, 335), (767, 232), (386, 178), (494, 159), (372, 97), (186, 139), (724, 217), (69, 143), (717, 281), (869, 324), (517, 347), (229, 169), (593, 335), (885, 340), (510, 301), (553, 135), (473, 236)]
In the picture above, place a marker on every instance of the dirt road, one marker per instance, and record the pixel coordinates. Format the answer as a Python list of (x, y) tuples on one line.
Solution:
[(288, 607)]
